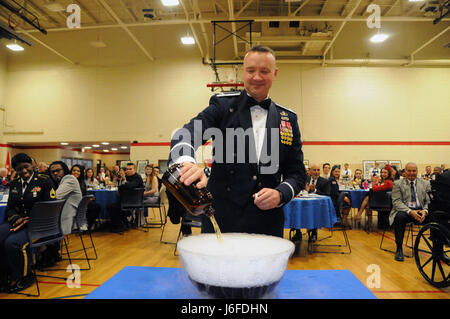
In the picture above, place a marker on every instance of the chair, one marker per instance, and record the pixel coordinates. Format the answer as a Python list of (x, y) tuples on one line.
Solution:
[(188, 220), (80, 223), (133, 200), (339, 226), (44, 228), (161, 207), (382, 203)]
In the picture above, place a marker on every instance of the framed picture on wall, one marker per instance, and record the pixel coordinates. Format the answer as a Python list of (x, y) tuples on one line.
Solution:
[(141, 167), (382, 163), (367, 167), (162, 166), (306, 163), (123, 164), (397, 164)]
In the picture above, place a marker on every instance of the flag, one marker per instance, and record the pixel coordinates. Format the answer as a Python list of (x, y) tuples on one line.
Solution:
[(8, 163)]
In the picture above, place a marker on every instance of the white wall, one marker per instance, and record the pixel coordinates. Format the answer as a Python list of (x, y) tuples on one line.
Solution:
[(147, 102)]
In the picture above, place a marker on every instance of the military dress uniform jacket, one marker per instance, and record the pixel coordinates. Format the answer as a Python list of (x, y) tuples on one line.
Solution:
[(234, 176), (19, 205)]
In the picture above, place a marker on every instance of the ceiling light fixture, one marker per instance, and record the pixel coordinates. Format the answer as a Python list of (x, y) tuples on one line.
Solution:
[(170, 3), (379, 37), (124, 147), (114, 149), (14, 47), (187, 40), (95, 145), (105, 143), (88, 147), (64, 143)]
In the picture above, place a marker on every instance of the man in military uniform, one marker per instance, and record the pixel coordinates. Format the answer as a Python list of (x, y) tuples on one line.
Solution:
[(28, 188), (258, 171)]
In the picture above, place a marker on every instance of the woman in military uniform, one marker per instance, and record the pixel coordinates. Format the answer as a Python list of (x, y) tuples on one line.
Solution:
[(28, 188)]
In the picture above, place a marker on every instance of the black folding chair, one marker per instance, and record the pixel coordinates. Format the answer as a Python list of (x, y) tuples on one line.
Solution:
[(81, 228), (160, 207), (339, 226), (382, 203), (133, 200), (44, 228), (188, 220)]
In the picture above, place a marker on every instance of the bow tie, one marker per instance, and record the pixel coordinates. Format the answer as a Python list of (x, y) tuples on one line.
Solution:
[(264, 104)]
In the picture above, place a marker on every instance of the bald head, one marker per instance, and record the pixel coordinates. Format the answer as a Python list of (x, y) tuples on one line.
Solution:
[(315, 170), (411, 171)]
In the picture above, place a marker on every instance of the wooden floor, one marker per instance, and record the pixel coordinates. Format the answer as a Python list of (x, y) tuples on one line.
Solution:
[(138, 248)]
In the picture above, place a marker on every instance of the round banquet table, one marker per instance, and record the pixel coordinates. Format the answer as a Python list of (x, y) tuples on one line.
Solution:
[(103, 197), (2, 212), (357, 196), (309, 212)]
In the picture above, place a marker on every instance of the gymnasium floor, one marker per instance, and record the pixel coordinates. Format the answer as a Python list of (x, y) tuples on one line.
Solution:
[(138, 248)]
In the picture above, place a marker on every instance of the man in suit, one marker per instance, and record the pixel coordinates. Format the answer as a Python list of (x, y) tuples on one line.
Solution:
[(258, 161), (25, 190), (409, 204), (118, 217), (315, 184)]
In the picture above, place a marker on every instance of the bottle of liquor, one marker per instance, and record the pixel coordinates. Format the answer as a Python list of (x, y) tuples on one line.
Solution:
[(196, 201)]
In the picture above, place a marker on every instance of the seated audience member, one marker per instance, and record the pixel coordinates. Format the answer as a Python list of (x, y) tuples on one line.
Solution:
[(409, 204), (68, 188), (436, 172), (4, 180), (93, 209), (385, 184), (326, 170), (443, 169), (375, 171), (101, 176), (156, 171), (42, 168), (15, 258), (317, 185), (118, 218), (335, 193), (358, 180), (346, 173), (108, 178), (402, 173), (427, 175), (395, 173), (91, 181), (151, 193)]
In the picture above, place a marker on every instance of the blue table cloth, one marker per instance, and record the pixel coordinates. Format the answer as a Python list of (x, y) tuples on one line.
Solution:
[(2, 212), (103, 197), (310, 213), (357, 196), (134, 282)]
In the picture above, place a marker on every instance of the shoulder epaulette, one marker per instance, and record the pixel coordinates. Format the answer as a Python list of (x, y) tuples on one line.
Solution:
[(285, 108), (43, 175), (231, 93)]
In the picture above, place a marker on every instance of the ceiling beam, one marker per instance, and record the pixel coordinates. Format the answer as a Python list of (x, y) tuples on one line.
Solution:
[(197, 10), (323, 7), (255, 19), (194, 33), (391, 7), (299, 8), (249, 2), (426, 44), (347, 18), (42, 43), (233, 27), (129, 10), (125, 28)]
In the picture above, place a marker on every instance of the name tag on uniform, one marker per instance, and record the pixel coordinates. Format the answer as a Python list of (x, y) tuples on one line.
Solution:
[(34, 194)]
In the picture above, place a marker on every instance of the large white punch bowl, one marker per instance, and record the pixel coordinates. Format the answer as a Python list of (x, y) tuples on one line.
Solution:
[(241, 266)]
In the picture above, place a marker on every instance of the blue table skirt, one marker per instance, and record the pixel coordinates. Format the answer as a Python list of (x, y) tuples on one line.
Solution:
[(316, 212), (172, 283), (103, 197), (357, 196), (2, 212)]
